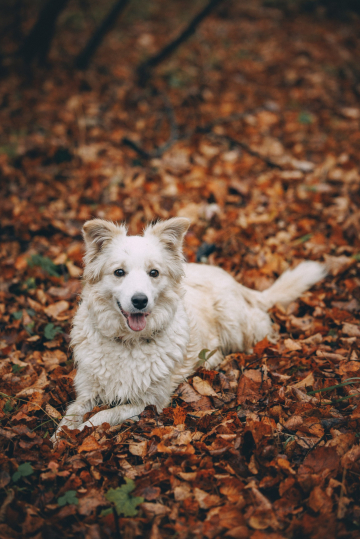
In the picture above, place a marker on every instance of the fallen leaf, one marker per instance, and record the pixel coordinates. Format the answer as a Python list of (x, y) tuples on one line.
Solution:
[(91, 501), (50, 410), (139, 449), (89, 444), (308, 381), (203, 387), (351, 329), (56, 308), (206, 500)]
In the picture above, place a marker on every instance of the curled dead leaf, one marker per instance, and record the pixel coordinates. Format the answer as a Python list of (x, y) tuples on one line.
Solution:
[(89, 444), (52, 412)]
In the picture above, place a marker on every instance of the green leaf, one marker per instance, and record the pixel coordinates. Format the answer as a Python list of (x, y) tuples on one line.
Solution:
[(106, 512), (68, 498), (8, 407), (303, 239), (30, 312), (204, 356), (50, 331), (29, 327), (17, 315), (290, 439), (16, 369), (124, 503), (9, 149), (306, 118), (44, 263), (30, 283), (23, 470)]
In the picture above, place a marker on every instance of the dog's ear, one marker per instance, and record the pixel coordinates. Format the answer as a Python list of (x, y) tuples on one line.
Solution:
[(171, 232), (97, 233)]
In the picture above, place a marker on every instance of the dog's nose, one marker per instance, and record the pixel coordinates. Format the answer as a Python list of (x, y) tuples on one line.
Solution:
[(139, 301)]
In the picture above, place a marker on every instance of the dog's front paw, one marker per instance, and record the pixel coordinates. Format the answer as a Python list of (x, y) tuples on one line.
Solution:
[(88, 423), (56, 436)]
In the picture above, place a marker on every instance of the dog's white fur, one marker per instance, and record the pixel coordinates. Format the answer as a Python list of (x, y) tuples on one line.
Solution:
[(190, 307)]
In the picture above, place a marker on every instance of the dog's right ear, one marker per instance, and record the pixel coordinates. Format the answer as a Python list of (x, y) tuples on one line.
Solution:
[(97, 233)]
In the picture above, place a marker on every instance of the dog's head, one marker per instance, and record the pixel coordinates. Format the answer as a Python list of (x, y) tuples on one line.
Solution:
[(132, 276)]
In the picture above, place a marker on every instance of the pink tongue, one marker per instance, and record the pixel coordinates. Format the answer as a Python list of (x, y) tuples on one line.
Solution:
[(137, 322)]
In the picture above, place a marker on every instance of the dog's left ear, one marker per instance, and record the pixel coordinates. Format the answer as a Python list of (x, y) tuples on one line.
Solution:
[(171, 233)]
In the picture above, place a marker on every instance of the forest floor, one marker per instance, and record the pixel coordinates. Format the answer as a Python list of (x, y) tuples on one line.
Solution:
[(266, 166)]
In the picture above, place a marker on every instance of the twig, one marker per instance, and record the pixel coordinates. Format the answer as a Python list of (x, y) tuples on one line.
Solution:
[(116, 520), (144, 69), (206, 129), (247, 149), (341, 507), (9, 498), (323, 437), (83, 59), (23, 400)]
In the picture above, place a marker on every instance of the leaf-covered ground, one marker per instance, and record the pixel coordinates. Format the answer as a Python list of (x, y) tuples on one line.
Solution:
[(267, 168)]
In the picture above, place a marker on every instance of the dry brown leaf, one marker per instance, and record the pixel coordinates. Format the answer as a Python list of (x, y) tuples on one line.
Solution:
[(155, 508), (139, 449), (206, 500), (292, 345), (351, 329), (338, 264), (89, 444), (305, 383), (50, 410), (41, 383), (56, 308), (203, 387), (91, 501)]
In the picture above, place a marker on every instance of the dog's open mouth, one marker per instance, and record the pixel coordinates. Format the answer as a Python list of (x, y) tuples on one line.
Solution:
[(135, 321)]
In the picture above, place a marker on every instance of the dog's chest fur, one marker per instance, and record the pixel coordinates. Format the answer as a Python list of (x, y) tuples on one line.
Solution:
[(119, 371)]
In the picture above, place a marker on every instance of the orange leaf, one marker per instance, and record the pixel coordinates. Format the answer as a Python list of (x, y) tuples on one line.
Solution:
[(89, 444), (179, 415), (261, 346)]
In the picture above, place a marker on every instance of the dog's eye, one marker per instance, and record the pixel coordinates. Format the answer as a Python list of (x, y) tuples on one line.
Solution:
[(119, 273), (154, 273)]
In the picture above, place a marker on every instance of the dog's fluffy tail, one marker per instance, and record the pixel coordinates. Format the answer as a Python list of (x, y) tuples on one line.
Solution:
[(293, 283)]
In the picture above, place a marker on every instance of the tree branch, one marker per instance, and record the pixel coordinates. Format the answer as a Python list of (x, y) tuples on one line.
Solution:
[(37, 43), (83, 59), (144, 69)]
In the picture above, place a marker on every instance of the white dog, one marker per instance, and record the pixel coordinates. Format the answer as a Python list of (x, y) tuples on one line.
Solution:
[(145, 315)]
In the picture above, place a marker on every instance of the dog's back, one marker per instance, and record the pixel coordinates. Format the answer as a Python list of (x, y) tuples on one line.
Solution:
[(231, 317)]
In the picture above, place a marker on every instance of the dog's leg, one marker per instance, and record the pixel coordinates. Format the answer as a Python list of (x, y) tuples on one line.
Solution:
[(114, 416), (73, 416)]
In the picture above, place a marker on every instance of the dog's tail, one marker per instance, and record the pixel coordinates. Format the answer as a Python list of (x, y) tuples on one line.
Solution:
[(293, 283)]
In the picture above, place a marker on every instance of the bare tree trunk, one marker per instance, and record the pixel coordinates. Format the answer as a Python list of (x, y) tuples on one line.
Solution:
[(37, 44), (83, 59), (144, 69)]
